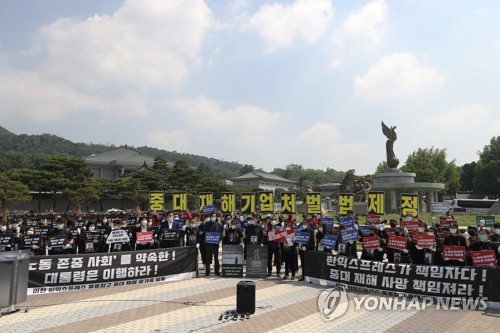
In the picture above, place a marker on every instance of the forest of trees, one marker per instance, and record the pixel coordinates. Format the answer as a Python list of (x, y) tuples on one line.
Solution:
[(50, 164)]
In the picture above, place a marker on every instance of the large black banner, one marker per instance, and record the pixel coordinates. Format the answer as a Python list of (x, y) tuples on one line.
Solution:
[(382, 277), (102, 270)]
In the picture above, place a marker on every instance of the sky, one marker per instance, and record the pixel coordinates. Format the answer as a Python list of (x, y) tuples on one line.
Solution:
[(266, 83)]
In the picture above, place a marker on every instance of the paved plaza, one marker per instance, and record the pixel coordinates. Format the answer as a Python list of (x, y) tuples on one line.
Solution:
[(195, 305)]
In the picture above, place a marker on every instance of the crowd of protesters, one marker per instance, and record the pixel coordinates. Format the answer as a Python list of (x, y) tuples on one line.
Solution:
[(89, 234)]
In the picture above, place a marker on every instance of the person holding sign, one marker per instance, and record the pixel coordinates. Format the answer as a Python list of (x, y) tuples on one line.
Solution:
[(485, 243), (290, 251), (373, 245), (169, 232), (304, 228), (60, 240), (273, 249), (346, 247), (144, 229), (231, 234), (213, 234), (191, 233), (253, 233), (454, 239)]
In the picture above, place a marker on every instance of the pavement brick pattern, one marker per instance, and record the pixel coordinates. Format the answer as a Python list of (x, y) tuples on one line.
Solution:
[(195, 305)]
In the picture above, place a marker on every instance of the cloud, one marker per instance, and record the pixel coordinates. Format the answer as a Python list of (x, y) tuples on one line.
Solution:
[(398, 76), (108, 63), (319, 133), (282, 26), (365, 27), (170, 140), (460, 118), (246, 123)]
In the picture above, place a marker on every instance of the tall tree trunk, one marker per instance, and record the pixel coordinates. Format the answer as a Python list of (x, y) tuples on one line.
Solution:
[(4, 213), (78, 210), (137, 211)]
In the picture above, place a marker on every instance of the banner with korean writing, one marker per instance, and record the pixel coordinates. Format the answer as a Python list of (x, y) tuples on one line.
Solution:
[(328, 222), (426, 241), (144, 237), (156, 200), (302, 237), (248, 203), (266, 202), (371, 243), (444, 223), (179, 203), (212, 238), (278, 235), (372, 219), (228, 202), (57, 273), (484, 258), (350, 235), (409, 204), (329, 241), (347, 222), (313, 203), (452, 252), (409, 225), (464, 283), (346, 203), (489, 220), (376, 203), (206, 199), (232, 260), (288, 203), (396, 242)]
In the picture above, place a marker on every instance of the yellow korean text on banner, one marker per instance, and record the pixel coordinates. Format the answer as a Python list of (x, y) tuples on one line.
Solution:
[(206, 199), (156, 200), (409, 204), (288, 203), (247, 203), (266, 201), (313, 202), (228, 202), (179, 201), (376, 203), (346, 203)]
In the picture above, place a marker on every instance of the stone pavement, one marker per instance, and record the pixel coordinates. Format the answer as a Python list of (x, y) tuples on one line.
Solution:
[(195, 305)]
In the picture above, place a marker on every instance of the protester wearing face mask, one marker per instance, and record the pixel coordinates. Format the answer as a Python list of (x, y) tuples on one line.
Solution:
[(484, 242), (61, 232), (169, 232), (253, 233), (191, 233), (273, 248), (319, 234), (374, 254), (455, 239), (232, 235), (303, 248), (212, 250)]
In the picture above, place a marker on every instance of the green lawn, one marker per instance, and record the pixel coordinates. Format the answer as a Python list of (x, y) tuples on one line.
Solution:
[(463, 220)]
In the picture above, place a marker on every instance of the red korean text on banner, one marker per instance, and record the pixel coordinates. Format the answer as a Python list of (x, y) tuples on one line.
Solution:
[(451, 252), (372, 219), (484, 258), (144, 237), (371, 243), (410, 225), (396, 242), (425, 241), (278, 235)]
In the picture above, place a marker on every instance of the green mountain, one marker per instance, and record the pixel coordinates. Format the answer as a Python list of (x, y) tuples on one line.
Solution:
[(28, 151)]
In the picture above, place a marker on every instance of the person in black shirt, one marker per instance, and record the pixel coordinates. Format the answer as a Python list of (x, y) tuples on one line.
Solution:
[(232, 235), (58, 231), (212, 250), (455, 239)]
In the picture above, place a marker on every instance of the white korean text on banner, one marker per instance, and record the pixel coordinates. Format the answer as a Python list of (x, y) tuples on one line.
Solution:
[(232, 260), (57, 273)]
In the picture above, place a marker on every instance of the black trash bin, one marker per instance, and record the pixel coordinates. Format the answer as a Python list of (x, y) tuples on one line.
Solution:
[(14, 271)]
